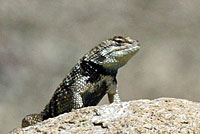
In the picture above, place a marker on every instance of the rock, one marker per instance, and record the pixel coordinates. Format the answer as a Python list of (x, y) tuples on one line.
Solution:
[(159, 116)]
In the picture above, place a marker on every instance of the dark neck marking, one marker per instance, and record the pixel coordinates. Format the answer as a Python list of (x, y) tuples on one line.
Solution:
[(94, 70)]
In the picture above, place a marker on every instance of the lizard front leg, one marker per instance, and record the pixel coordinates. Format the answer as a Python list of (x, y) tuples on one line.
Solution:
[(113, 94), (79, 87), (77, 100)]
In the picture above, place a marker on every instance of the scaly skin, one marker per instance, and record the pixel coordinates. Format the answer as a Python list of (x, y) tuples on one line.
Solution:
[(90, 79)]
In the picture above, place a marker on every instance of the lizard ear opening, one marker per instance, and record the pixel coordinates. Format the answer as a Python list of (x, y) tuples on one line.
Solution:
[(99, 59)]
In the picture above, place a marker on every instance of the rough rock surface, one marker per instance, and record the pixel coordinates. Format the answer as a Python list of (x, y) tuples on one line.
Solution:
[(159, 116)]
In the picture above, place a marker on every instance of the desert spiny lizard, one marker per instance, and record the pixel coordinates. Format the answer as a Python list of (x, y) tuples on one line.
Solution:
[(90, 79)]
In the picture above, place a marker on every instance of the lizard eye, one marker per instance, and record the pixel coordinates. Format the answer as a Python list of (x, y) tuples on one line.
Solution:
[(119, 41)]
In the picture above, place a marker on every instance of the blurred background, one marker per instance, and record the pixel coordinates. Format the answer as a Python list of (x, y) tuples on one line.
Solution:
[(41, 40)]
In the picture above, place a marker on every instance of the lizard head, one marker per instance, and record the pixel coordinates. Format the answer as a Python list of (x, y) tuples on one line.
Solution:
[(114, 53)]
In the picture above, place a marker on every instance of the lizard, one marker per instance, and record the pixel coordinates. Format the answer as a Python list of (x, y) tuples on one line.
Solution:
[(90, 79)]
